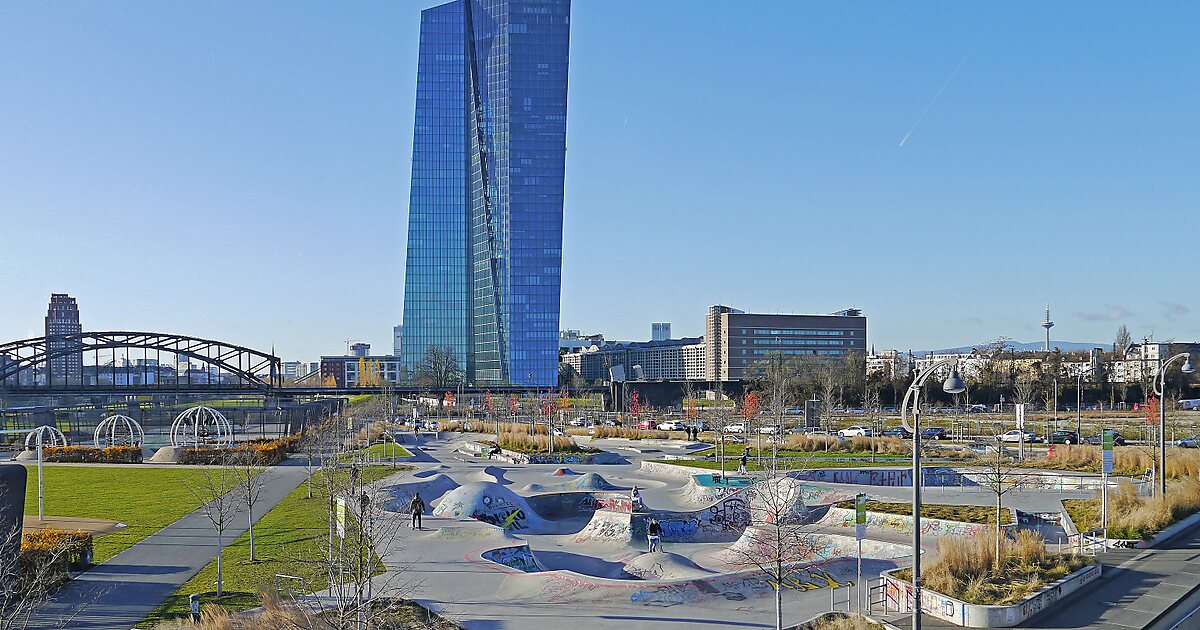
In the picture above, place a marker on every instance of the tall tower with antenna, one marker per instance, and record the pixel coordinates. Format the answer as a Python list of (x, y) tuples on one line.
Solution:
[(1047, 324)]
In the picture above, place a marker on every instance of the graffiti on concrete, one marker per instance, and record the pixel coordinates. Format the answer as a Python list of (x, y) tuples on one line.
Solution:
[(616, 504), (520, 558), (900, 523)]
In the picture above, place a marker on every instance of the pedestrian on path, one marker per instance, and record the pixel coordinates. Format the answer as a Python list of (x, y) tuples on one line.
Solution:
[(742, 462), (417, 507), (653, 535)]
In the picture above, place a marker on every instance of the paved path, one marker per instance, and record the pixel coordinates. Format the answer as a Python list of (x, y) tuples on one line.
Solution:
[(122, 591)]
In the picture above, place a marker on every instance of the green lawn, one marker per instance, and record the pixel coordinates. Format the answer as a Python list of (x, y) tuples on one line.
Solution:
[(731, 464), (963, 513), (295, 529), (145, 499), (380, 451)]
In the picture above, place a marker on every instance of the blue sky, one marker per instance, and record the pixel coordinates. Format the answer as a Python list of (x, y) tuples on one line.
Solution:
[(241, 171)]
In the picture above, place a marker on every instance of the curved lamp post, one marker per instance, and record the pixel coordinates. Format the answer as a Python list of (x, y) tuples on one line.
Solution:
[(953, 385), (1160, 389)]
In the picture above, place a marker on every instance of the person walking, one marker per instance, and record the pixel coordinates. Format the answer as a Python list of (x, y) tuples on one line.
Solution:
[(417, 507), (742, 461), (653, 535)]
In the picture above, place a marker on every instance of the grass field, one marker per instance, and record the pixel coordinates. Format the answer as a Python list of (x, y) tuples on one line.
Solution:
[(962, 513), (293, 530), (145, 499), (731, 464), (380, 451)]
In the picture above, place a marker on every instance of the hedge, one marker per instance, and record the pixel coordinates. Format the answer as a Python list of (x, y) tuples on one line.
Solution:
[(92, 455), (260, 452), (54, 552)]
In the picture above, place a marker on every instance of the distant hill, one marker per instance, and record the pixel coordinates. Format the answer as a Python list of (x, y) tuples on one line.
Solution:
[(1065, 346)]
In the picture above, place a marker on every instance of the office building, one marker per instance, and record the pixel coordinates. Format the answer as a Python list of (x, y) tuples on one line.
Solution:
[(397, 338), (665, 360), (486, 204), (736, 340), (660, 331), (62, 318), (345, 369)]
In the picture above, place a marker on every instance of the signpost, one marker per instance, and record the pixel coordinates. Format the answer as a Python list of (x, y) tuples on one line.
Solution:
[(1106, 469), (1020, 427), (860, 532)]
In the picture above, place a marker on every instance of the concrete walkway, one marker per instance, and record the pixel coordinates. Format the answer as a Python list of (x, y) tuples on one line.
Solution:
[(122, 591)]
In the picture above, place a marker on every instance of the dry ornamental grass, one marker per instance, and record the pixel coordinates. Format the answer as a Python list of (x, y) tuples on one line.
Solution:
[(1134, 517)]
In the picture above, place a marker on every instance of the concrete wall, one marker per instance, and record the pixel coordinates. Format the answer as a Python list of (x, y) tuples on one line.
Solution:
[(899, 595)]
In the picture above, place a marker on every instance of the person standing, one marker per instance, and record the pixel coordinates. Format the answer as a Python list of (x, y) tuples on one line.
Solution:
[(635, 500), (742, 461), (653, 535), (194, 601), (417, 507)]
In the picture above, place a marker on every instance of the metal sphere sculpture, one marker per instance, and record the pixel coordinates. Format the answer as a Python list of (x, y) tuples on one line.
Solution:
[(50, 436), (118, 430), (201, 425)]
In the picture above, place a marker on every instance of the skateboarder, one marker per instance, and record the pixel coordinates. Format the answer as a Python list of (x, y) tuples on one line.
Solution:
[(653, 535), (635, 500), (742, 462), (417, 507)]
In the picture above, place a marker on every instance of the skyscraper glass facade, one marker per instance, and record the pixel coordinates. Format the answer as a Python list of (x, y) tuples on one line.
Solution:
[(486, 206)]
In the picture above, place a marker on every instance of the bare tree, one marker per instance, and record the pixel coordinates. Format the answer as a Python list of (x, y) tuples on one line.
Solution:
[(776, 538), (1122, 341), (1000, 475), (439, 368), (251, 477), (216, 491), (1024, 390)]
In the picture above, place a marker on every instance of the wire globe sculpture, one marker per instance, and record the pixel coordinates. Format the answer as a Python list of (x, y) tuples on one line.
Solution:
[(118, 430), (51, 436), (201, 425)]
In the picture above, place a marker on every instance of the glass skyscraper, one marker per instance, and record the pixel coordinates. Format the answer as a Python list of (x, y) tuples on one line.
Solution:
[(486, 207)]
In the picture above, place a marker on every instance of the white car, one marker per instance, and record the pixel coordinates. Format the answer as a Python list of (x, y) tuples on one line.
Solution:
[(670, 425), (857, 430), (769, 429), (736, 428), (1015, 436), (578, 422)]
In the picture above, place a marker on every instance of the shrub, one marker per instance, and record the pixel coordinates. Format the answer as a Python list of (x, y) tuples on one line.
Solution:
[(967, 568), (522, 442), (50, 553), (260, 452), (1134, 517), (813, 443), (92, 455)]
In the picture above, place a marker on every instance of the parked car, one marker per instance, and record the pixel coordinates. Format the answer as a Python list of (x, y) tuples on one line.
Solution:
[(736, 428), (670, 425), (857, 430), (899, 432), (1063, 436), (1097, 439), (977, 408), (1017, 435), (644, 424), (769, 429), (701, 426), (578, 422), (934, 433), (1191, 442)]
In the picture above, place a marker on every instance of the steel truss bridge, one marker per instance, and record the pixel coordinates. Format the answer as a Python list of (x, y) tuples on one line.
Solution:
[(130, 363)]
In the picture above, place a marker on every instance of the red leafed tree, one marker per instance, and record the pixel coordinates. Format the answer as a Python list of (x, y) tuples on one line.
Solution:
[(691, 413), (488, 404), (635, 404), (750, 406), (514, 405), (1152, 410)]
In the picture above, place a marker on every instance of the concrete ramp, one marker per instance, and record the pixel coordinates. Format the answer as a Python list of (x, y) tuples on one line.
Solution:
[(590, 481), (759, 541), (608, 526), (563, 472), (431, 489), (882, 525), (491, 474), (492, 503), (662, 565)]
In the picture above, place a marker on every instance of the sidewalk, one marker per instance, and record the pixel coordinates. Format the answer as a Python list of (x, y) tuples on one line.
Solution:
[(119, 593)]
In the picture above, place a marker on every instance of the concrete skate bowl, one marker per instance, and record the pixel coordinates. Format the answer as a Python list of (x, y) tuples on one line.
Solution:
[(757, 541), (587, 482), (492, 474), (431, 488), (570, 587), (494, 504), (722, 521)]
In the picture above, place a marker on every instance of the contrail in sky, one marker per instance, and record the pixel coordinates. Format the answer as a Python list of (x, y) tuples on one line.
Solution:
[(933, 100)]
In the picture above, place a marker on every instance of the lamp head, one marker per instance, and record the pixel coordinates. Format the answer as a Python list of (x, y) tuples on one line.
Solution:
[(1188, 367), (954, 384)]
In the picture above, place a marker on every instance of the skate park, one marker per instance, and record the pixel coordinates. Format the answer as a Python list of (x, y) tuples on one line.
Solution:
[(503, 544)]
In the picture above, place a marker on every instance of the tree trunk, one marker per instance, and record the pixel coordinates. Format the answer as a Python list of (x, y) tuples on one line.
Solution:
[(778, 607), (250, 529), (999, 533), (220, 585)]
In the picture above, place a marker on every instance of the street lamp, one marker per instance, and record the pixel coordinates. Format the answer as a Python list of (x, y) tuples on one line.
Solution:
[(1079, 403), (1160, 384), (953, 385)]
